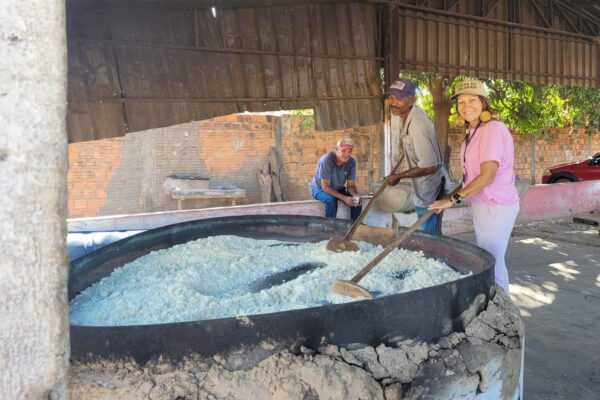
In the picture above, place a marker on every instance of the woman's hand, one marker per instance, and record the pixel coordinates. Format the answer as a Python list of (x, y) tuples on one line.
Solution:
[(440, 205)]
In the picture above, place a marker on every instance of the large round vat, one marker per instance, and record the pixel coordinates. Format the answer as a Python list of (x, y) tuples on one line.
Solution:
[(423, 314)]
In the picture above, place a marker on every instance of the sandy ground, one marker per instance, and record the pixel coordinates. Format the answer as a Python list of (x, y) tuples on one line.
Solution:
[(554, 269)]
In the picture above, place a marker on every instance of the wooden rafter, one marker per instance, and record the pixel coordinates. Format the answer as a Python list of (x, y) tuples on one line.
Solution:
[(512, 20), (451, 4), (591, 28), (591, 21), (490, 6), (514, 11), (222, 50), (562, 12), (540, 13)]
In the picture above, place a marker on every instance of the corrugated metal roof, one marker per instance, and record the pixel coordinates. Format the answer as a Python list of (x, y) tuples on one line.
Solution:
[(134, 69), (139, 64), (459, 41)]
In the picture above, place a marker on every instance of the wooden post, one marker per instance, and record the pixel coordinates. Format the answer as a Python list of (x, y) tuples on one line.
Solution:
[(275, 173), (265, 182)]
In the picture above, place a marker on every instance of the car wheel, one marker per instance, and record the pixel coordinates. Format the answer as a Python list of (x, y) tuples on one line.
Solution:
[(562, 180)]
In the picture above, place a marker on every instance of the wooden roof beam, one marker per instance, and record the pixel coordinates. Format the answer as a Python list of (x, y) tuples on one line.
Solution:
[(514, 11), (191, 4), (590, 20), (131, 43), (559, 7), (490, 6), (540, 13), (451, 4), (514, 15), (592, 28), (584, 12)]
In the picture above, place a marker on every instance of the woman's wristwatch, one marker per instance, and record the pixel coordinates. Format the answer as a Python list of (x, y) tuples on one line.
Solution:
[(457, 198)]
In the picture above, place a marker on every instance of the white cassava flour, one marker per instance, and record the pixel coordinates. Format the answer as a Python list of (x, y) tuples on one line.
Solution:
[(208, 279)]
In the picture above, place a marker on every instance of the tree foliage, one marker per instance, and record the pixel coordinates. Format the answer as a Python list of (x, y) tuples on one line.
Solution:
[(424, 82), (308, 114), (585, 106), (530, 109)]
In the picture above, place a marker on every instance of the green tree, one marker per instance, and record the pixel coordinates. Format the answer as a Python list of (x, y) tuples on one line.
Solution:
[(308, 116), (529, 108), (585, 107)]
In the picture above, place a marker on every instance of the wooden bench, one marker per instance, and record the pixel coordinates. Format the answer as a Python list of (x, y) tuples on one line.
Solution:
[(225, 192)]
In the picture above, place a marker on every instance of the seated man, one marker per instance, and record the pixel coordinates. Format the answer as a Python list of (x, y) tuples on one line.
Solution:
[(334, 180)]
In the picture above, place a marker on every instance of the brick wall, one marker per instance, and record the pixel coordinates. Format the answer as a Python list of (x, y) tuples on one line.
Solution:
[(232, 148), (126, 175), (302, 148), (92, 165), (559, 146)]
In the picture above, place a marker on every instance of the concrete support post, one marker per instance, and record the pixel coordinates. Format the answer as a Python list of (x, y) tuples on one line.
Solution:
[(532, 160), (34, 348), (392, 143)]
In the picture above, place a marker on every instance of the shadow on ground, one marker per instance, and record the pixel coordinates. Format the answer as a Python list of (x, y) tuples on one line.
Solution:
[(554, 269)]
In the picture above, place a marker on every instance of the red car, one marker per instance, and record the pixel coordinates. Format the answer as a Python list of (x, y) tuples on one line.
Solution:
[(574, 172)]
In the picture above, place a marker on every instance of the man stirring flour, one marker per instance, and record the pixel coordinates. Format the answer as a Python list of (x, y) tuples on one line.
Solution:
[(426, 172)]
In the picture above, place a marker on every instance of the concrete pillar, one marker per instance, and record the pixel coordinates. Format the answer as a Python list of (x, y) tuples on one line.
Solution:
[(34, 347)]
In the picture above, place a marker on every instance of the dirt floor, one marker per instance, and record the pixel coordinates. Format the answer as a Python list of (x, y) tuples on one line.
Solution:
[(554, 271)]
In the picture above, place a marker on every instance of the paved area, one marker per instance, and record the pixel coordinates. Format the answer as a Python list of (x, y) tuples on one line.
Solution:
[(554, 269)]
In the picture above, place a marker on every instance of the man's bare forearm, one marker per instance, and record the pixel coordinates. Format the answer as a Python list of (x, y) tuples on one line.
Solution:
[(411, 173), (417, 171), (352, 190)]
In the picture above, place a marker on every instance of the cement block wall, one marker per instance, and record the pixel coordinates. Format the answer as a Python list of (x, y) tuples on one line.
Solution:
[(231, 149), (125, 175)]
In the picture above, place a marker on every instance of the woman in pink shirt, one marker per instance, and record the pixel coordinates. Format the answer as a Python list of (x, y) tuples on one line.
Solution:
[(487, 157)]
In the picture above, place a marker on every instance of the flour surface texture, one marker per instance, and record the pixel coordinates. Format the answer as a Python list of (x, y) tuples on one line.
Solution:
[(208, 279)]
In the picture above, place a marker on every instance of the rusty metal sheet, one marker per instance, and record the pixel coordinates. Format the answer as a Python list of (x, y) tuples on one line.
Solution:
[(461, 41), (143, 64), (137, 68)]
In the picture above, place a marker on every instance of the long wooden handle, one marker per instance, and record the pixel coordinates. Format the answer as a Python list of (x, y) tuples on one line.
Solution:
[(393, 245), (365, 210)]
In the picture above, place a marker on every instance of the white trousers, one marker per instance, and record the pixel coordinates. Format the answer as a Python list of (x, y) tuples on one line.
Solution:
[(493, 225)]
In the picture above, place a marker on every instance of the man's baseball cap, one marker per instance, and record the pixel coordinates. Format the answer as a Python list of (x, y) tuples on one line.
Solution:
[(345, 141), (402, 88), (470, 86)]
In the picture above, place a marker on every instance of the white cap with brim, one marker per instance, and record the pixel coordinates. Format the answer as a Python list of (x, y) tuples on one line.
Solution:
[(345, 141), (469, 86)]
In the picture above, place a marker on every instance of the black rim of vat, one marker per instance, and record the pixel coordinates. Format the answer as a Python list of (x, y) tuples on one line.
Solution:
[(423, 314)]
